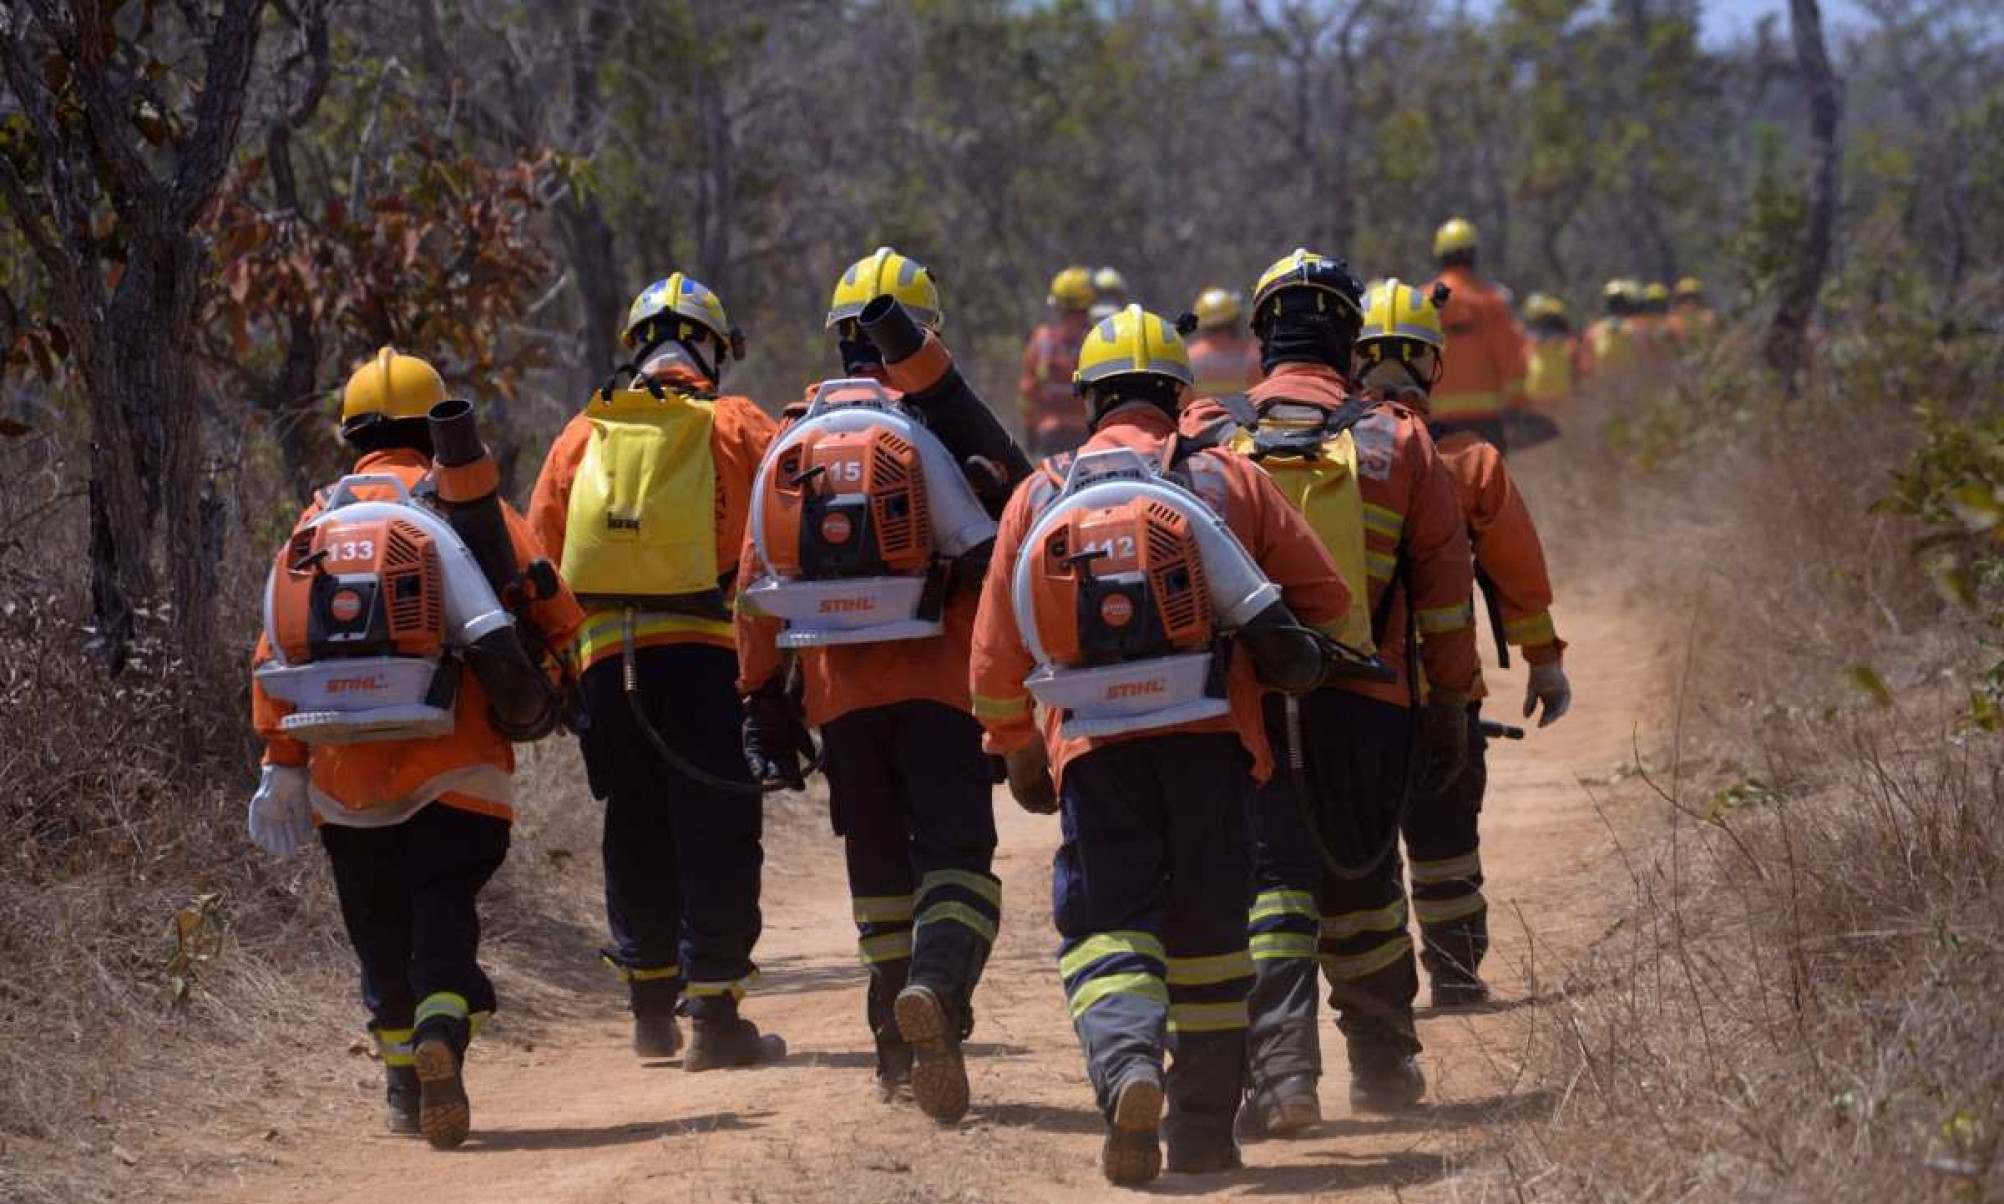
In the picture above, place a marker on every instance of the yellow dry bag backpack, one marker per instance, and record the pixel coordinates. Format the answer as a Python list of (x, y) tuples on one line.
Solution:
[(641, 530)]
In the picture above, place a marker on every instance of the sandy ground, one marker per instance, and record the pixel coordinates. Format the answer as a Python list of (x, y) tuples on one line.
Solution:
[(574, 1116)]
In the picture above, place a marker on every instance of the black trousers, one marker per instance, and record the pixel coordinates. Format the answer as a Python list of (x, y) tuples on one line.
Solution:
[(682, 858), (1304, 914), (909, 793), (1445, 844), (407, 896)]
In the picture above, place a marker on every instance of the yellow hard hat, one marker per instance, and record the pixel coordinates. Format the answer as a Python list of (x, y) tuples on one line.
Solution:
[(1396, 310), (1402, 323), (1543, 305), (886, 271), (1305, 269), (1109, 280), (1072, 289), (1132, 342), (1656, 290), (1216, 307), (1455, 234), (389, 387), (1690, 288), (681, 296)]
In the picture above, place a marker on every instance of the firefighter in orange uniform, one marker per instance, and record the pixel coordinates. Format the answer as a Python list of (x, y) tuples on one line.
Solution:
[(910, 790), (1148, 755), (1377, 494), (1051, 421), (643, 499), (1224, 357), (1398, 353), (412, 795), (1485, 377)]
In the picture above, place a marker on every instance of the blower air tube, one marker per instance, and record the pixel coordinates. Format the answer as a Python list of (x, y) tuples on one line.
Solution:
[(953, 410), (520, 700)]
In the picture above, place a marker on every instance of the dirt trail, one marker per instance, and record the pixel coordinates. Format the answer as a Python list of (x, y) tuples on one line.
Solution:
[(579, 1118)]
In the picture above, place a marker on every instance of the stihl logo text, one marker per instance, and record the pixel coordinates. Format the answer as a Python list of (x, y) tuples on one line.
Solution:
[(847, 606), (1136, 689), (354, 685)]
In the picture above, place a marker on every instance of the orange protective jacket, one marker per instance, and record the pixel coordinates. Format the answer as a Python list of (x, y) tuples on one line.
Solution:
[(1410, 509), (470, 768), (738, 440), (1482, 372), (1225, 362), (856, 677), (1278, 538), (1505, 542), (1611, 345), (1044, 386)]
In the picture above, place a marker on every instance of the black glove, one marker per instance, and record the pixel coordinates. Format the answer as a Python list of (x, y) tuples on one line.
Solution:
[(1443, 742), (998, 770), (1286, 656), (1029, 773), (778, 747)]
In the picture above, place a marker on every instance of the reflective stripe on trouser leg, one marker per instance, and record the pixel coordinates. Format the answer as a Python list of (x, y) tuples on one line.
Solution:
[(1281, 1039), (1207, 1044), (884, 943), (1443, 839), (393, 1045), (1119, 1000), (1367, 956), (959, 912), (448, 1011)]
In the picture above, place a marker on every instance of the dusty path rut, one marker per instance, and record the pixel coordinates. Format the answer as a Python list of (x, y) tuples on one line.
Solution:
[(578, 1118)]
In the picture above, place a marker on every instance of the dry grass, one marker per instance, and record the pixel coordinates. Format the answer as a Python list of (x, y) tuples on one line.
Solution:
[(158, 968), (1800, 999)]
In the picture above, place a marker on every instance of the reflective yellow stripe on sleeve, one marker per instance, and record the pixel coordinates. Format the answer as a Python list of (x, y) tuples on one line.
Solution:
[(1383, 520), (1001, 709), (1443, 619), (1531, 630)]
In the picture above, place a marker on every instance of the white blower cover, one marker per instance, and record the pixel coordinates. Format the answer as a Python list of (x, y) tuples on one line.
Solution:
[(864, 610), (1152, 692), (354, 700)]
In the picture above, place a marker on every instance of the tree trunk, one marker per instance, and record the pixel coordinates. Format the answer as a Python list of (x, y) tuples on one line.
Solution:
[(1787, 347)]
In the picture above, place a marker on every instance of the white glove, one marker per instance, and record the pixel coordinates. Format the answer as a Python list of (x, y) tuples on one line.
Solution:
[(281, 815), (1548, 685)]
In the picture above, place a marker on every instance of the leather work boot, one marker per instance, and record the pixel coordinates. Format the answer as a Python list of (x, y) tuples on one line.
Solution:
[(1384, 1079), (893, 1078), (1285, 1107), (726, 1044), (1132, 1153), (1466, 993), (444, 1114), (939, 1077), (656, 1036), (400, 1100)]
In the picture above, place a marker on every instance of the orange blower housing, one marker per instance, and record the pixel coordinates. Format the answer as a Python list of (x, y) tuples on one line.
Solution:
[(371, 588), (848, 504), (1121, 583)]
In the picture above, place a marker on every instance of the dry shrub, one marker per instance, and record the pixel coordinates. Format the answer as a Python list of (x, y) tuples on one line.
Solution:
[(1799, 1001)]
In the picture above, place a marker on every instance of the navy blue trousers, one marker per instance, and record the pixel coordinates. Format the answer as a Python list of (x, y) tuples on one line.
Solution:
[(1150, 890)]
